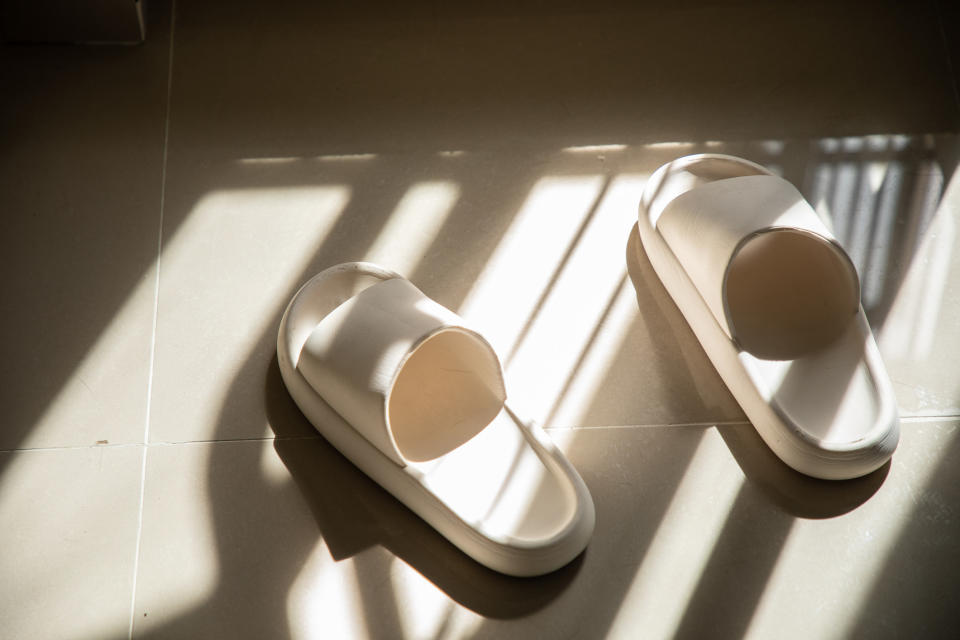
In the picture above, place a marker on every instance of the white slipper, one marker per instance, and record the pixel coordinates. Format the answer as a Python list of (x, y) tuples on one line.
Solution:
[(415, 399), (775, 302)]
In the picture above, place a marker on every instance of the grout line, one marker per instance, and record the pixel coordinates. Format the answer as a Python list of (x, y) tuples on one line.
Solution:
[(176, 443), (153, 329), (734, 423), (557, 272), (168, 443), (125, 445), (947, 418), (728, 423), (674, 425)]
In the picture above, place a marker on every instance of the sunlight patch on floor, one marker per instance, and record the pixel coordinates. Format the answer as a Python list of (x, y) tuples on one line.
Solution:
[(413, 225), (682, 546), (596, 148), (505, 295), (568, 323), (181, 546), (672, 146), (272, 469), (88, 397), (848, 557), (279, 160), (346, 157), (321, 587), (426, 612), (226, 254), (911, 325), (587, 379), (66, 547)]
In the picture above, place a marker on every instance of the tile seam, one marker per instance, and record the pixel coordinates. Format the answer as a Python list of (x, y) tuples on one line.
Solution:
[(734, 423), (174, 443), (153, 328)]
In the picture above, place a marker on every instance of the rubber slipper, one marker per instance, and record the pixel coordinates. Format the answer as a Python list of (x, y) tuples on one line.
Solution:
[(416, 400), (775, 302)]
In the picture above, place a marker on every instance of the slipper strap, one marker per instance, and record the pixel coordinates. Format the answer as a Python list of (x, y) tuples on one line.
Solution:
[(706, 226), (354, 355)]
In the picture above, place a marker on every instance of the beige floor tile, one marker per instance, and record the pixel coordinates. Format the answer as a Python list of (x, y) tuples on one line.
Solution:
[(69, 540), (508, 241), (749, 548), (698, 531), (508, 195), (920, 334), (79, 194), (554, 275), (495, 155)]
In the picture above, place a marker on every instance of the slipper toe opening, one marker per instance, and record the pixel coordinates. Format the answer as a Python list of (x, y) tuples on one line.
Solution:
[(789, 293), (446, 392)]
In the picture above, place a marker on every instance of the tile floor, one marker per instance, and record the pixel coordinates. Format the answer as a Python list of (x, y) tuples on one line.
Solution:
[(161, 203)]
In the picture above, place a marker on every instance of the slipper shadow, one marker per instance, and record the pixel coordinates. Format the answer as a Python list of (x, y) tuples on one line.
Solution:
[(793, 492), (354, 513), (702, 394)]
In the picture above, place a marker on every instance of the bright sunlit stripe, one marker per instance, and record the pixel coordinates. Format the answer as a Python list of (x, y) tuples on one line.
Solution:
[(773, 147), (828, 145), (505, 294), (282, 160), (413, 225), (323, 587), (346, 157), (173, 495), (240, 251), (573, 309), (886, 182), (852, 144), (424, 610), (682, 546), (821, 188), (910, 327), (587, 379), (876, 172), (848, 570), (844, 204), (669, 145), (67, 534), (596, 148), (85, 399), (272, 469)]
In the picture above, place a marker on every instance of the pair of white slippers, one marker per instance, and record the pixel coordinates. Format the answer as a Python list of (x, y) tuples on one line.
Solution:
[(416, 399)]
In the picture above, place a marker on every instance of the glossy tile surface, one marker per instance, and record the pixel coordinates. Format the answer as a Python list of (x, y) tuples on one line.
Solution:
[(555, 278), (495, 155), (415, 142), (82, 131), (699, 531), (69, 541)]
